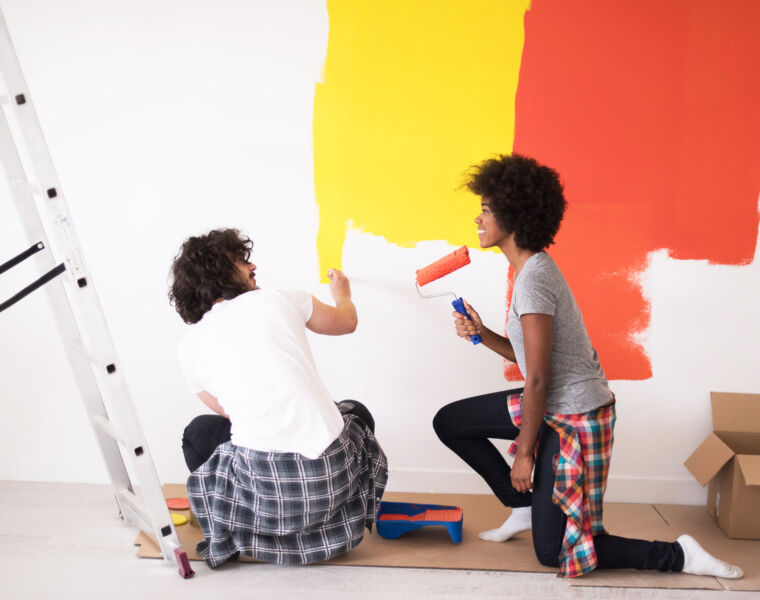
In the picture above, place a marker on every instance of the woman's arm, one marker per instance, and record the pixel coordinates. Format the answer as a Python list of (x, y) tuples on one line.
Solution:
[(492, 340), (498, 343), (537, 336)]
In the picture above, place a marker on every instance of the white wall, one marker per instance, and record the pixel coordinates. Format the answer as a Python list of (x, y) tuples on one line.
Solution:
[(168, 118)]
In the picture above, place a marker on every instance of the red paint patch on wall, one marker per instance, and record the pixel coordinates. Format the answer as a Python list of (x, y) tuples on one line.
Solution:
[(649, 112)]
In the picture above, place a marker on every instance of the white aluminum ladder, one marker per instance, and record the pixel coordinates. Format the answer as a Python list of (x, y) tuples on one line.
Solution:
[(77, 312)]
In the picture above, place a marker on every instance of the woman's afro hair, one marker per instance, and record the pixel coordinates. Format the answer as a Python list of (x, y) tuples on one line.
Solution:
[(525, 196)]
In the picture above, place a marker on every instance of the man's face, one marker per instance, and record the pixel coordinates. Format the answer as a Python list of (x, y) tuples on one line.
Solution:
[(247, 273)]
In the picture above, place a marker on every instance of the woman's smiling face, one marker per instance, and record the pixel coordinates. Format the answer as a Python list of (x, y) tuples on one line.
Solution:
[(490, 231)]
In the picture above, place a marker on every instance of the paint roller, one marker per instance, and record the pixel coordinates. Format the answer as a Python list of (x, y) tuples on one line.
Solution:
[(440, 268)]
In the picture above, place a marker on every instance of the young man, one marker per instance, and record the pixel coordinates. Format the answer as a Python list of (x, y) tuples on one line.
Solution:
[(281, 473)]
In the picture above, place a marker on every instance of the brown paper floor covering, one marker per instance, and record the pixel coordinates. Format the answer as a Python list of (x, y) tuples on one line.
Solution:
[(431, 547)]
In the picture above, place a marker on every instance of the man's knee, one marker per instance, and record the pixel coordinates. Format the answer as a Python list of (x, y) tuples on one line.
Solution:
[(356, 408), (201, 437), (204, 427)]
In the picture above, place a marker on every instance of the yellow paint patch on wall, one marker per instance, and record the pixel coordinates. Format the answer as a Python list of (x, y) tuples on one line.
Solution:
[(413, 93)]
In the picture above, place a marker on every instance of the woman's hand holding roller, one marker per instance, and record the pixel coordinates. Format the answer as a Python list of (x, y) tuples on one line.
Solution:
[(474, 326), (466, 327)]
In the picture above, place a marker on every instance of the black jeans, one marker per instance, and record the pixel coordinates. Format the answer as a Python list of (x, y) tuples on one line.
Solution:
[(465, 426), (206, 432)]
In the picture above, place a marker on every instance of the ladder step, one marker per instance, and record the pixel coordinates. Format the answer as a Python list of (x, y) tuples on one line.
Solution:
[(133, 502), (107, 427), (155, 531), (19, 184), (110, 367), (82, 351)]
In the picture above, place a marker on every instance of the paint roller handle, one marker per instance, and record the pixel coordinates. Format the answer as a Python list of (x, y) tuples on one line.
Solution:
[(458, 305)]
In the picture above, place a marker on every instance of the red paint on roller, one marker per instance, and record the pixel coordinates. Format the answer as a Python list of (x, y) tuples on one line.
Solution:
[(449, 263), (451, 515)]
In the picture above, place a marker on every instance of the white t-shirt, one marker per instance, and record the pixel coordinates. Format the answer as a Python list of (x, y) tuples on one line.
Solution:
[(252, 355)]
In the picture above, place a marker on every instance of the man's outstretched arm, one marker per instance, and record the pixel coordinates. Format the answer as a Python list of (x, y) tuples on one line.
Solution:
[(334, 320)]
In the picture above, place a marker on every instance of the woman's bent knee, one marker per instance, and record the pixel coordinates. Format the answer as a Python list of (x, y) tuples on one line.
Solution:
[(547, 546), (441, 424), (548, 559), (546, 555)]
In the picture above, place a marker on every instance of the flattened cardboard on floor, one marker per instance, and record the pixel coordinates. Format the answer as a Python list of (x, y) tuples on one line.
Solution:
[(729, 460), (429, 547), (697, 523), (432, 548)]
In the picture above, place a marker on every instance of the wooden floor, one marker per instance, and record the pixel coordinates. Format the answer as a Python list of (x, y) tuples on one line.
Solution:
[(62, 541)]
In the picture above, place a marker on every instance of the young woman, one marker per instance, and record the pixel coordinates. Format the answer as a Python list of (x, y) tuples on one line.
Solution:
[(562, 420)]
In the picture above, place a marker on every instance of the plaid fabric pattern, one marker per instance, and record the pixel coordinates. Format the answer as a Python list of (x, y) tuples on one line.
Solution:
[(284, 508), (580, 478)]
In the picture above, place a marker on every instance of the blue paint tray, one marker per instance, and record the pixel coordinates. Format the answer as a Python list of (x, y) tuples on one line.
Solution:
[(394, 519)]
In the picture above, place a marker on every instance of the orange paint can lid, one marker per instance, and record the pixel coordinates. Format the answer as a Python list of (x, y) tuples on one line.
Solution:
[(178, 503)]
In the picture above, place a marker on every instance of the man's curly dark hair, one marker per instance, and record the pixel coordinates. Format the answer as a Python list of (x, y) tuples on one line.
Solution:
[(525, 196), (204, 271)]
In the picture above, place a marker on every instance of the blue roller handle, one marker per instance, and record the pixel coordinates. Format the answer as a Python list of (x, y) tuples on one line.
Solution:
[(458, 305)]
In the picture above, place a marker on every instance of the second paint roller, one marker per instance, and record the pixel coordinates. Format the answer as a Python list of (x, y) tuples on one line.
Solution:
[(449, 263)]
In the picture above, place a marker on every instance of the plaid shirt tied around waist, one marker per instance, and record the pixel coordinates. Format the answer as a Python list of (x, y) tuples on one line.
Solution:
[(285, 508), (580, 478)]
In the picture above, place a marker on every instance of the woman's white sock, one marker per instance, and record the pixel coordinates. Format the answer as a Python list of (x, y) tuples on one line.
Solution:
[(698, 561), (518, 520)]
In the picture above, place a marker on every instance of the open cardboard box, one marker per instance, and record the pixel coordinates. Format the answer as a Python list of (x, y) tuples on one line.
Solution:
[(729, 459)]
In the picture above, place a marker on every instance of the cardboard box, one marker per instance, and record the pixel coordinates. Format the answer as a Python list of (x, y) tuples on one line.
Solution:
[(729, 460)]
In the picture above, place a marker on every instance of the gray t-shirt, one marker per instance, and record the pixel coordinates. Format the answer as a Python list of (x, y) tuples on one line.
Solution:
[(578, 383)]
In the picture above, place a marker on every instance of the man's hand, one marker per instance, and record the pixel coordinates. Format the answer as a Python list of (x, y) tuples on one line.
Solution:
[(466, 327), (521, 472), (339, 319), (340, 288)]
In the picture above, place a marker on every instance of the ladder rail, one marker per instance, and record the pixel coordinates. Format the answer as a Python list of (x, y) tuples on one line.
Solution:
[(74, 288), (58, 301)]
